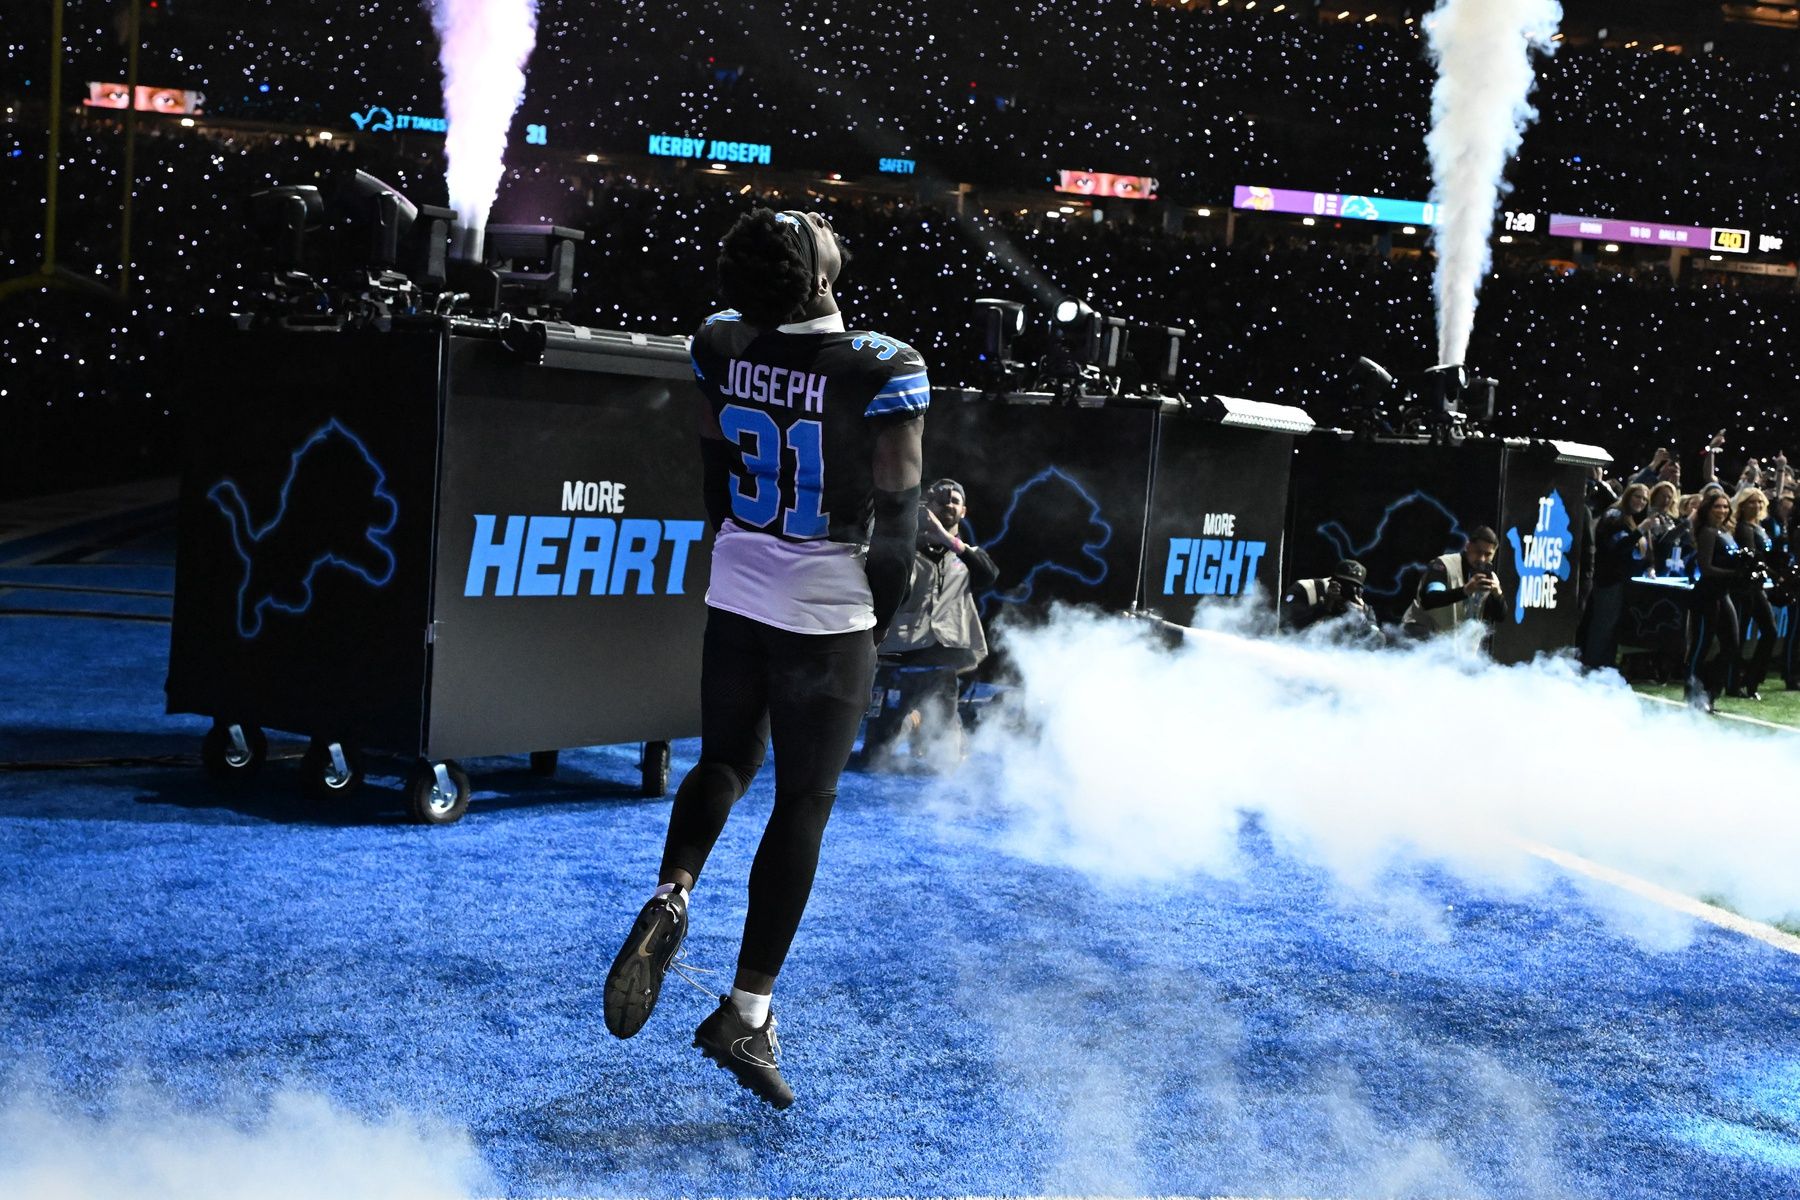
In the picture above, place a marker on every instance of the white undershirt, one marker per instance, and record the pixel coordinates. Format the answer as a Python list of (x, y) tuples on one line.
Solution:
[(816, 586)]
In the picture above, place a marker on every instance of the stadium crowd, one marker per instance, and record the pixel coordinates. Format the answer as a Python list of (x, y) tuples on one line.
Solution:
[(1202, 99), (1000, 92)]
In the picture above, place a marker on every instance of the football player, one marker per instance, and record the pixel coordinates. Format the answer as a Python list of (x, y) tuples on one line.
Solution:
[(810, 444)]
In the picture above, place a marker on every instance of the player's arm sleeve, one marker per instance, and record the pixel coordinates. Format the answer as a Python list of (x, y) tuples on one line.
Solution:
[(896, 469), (715, 479), (904, 393)]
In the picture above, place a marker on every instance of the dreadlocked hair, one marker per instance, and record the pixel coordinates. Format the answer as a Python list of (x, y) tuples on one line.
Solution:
[(762, 273)]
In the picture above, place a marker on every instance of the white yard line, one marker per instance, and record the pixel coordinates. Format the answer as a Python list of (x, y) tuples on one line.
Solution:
[(1724, 716), (1664, 896)]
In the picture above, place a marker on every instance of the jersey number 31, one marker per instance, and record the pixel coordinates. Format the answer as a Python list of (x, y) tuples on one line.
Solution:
[(759, 439)]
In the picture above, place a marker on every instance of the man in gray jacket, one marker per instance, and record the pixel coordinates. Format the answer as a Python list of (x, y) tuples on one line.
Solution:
[(936, 635)]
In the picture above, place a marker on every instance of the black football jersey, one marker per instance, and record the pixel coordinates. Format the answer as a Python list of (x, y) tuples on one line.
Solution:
[(802, 411)]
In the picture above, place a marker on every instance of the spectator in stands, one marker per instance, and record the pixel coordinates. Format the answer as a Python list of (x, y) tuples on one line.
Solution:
[(1751, 597), (1664, 468), (1776, 525), (1622, 548), (1661, 523)]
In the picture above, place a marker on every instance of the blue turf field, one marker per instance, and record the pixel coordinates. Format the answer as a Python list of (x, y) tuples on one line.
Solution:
[(955, 1020)]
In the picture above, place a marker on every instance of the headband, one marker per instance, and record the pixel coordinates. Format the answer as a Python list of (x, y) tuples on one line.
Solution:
[(804, 238)]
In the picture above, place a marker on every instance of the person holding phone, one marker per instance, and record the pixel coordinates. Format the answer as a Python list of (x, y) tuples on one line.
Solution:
[(1457, 588)]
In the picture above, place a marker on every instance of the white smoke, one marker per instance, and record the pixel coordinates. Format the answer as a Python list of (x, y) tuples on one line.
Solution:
[(1136, 763), (297, 1148), (1479, 110), (482, 47)]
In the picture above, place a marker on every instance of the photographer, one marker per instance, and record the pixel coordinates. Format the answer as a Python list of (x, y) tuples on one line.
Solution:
[(1338, 598), (1458, 588), (1716, 571), (936, 635), (1622, 549), (1757, 552)]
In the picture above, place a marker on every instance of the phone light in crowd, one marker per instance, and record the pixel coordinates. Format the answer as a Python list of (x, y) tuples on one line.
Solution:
[(324, 135), (1065, 210), (1506, 239), (1612, 247), (1409, 229), (593, 158), (187, 122), (1308, 221), (718, 166), (1203, 212)]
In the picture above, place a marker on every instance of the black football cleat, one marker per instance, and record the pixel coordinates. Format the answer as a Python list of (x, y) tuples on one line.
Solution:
[(636, 978), (753, 1055)]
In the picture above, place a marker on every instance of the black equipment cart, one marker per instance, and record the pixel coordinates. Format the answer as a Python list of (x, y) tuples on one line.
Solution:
[(452, 539)]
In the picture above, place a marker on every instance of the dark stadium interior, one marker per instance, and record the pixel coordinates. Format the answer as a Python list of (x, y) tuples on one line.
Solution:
[(1202, 96)]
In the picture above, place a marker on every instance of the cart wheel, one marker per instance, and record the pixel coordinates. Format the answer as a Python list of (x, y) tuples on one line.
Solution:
[(330, 771), (655, 765), (543, 762), (438, 793), (232, 754)]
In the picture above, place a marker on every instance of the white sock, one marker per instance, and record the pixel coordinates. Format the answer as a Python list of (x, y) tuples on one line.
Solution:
[(754, 1009)]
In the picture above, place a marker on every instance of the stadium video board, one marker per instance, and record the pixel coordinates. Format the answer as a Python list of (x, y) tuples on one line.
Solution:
[(175, 101), (1717, 239), (1335, 205), (1099, 183)]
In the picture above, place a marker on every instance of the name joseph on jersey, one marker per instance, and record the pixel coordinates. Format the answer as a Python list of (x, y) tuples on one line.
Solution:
[(775, 386)]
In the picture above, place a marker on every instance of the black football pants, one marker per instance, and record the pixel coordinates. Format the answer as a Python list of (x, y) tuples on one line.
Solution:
[(809, 692)]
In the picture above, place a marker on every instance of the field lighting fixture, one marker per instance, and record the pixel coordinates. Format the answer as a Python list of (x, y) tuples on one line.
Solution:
[(1095, 340), (425, 251), (1444, 403), (392, 252), (282, 217), (535, 264), (998, 323), (1443, 398), (1152, 360), (1372, 389)]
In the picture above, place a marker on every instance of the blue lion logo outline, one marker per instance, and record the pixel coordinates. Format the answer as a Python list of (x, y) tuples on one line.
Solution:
[(1092, 573), (324, 466), (1346, 547)]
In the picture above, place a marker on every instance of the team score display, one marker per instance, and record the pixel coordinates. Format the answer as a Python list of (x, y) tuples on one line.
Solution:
[(762, 442), (1737, 241)]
